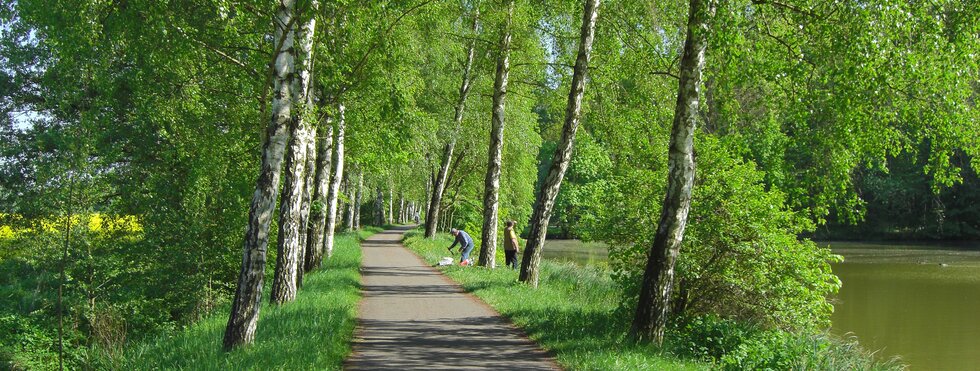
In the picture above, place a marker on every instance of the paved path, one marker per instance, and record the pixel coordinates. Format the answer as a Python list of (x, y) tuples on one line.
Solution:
[(413, 317)]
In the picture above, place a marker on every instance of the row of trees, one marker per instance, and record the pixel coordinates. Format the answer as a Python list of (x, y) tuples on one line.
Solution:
[(367, 110)]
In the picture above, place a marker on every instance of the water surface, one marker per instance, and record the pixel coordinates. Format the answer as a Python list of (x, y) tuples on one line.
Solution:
[(920, 302)]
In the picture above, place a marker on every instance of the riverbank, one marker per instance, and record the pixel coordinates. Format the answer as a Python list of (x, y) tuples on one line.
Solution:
[(575, 313), (313, 332)]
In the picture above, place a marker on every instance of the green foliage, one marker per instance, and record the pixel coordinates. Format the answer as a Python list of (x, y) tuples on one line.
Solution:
[(741, 257), (736, 346), (324, 313), (901, 204)]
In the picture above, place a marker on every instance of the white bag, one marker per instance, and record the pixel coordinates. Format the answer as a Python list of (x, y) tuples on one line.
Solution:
[(446, 261)]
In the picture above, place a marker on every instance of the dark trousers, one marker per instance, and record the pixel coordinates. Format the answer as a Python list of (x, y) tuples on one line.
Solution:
[(511, 258)]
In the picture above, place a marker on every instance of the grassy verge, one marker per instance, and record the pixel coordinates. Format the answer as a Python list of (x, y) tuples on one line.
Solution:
[(572, 312), (314, 332)]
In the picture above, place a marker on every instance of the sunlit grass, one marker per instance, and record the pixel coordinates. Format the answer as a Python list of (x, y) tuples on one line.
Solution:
[(313, 332), (572, 312)]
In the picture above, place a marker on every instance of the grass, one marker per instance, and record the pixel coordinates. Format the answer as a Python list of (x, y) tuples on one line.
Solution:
[(572, 313), (314, 332)]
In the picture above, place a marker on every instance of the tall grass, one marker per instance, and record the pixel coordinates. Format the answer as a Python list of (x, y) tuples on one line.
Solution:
[(313, 332), (575, 313)]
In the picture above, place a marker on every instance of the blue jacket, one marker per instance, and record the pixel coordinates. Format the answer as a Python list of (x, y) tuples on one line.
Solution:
[(463, 240)]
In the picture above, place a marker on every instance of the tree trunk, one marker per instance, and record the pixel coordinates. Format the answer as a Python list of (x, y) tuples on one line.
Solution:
[(491, 184), (563, 153), (658, 278), (306, 206), (358, 200), (379, 207), (304, 64), (351, 195), (335, 177), (318, 215), (428, 194), (245, 307), (401, 208), (291, 204), (432, 216), (391, 204)]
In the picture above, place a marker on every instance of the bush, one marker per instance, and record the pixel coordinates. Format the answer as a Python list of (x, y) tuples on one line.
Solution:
[(735, 345), (740, 258)]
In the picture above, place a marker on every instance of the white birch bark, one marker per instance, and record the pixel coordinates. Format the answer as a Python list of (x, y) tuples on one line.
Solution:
[(242, 321), (335, 177), (563, 153), (491, 184), (314, 239), (352, 196), (391, 204), (658, 278), (358, 200), (291, 233)]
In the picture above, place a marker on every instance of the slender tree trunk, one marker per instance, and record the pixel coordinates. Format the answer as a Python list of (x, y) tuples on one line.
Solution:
[(351, 195), (358, 200), (291, 233), (391, 204), (245, 307), (69, 213), (563, 153), (284, 280), (305, 66), (432, 216), (658, 278), (335, 177), (314, 239), (304, 212), (428, 194), (379, 207), (401, 208), (491, 184)]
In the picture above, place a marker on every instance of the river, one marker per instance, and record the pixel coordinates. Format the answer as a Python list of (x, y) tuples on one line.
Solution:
[(919, 302)]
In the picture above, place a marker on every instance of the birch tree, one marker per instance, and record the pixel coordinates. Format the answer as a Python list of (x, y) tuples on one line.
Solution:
[(318, 214), (439, 183), (488, 248), (563, 152), (245, 307), (335, 177), (289, 249), (658, 279)]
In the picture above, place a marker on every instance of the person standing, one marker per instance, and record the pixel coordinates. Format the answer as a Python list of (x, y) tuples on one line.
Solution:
[(465, 245), (511, 243)]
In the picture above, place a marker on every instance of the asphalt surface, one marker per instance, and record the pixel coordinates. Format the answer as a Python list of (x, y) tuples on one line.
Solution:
[(413, 317)]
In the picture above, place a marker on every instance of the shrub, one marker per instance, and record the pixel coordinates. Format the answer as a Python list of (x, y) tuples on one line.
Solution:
[(734, 345), (740, 258)]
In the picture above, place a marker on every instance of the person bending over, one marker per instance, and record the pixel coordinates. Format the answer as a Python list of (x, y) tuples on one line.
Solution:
[(465, 245)]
